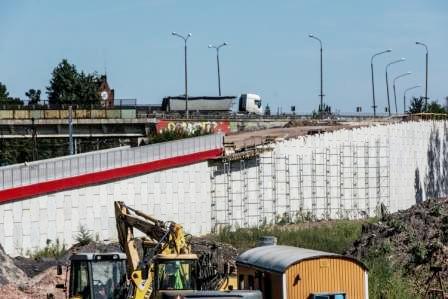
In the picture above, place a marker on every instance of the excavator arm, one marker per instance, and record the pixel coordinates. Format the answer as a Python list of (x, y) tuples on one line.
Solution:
[(160, 239)]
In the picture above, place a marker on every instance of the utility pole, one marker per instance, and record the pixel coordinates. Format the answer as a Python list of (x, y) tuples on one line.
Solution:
[(395, 93), (387, 81), (404, 96), (70, 130), (373, 82), (185, 65), (34, 137), (321, 107), (426, 77), (217, 61)]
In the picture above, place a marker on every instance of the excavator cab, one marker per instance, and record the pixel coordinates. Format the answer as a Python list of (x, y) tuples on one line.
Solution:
[(97, 276), (175, 272)]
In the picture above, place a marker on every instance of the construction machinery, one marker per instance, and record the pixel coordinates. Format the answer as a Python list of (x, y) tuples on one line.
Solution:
[(95, 275), (158, 264), (161, 263)]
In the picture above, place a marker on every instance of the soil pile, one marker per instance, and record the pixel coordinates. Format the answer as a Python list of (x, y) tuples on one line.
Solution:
[(26, 278), (415, 240), (9, 272)]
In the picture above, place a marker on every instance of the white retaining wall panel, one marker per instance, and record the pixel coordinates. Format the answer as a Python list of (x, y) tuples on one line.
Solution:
[(180, 194), (343, 174)]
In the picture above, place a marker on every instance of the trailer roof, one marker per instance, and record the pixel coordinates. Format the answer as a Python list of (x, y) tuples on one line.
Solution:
[(278, 258)]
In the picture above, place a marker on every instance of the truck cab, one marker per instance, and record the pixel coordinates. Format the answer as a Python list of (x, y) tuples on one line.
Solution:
[(96, 276), (250, 104)]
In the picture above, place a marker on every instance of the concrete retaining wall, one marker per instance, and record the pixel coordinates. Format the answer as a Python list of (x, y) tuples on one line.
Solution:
[(180, 194), (344, 174)]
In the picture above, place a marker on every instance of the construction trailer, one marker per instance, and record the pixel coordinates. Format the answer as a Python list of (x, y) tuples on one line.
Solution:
[(298, 273)]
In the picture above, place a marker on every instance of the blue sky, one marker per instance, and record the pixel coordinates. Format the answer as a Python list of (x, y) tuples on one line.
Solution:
[(269, 53)]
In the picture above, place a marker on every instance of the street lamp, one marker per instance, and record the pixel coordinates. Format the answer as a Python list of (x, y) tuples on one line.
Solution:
[(321, 75), (373, 82), (387, 80), (217, 61), (426, 80), (404, 96), (185, 38), (395, 93)]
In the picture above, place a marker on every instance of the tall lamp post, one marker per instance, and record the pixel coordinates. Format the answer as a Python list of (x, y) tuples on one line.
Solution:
[(387, 81), (404, 96), (426, 79), (217, 61), (373, 82), (321, 73), (395, 93), (185, 38)]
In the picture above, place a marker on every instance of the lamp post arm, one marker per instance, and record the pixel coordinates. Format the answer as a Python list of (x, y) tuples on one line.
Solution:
[(383, 52)]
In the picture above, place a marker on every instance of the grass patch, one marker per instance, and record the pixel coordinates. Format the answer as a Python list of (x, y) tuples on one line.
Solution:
[(334, 236), (51, 250), (385, 279)]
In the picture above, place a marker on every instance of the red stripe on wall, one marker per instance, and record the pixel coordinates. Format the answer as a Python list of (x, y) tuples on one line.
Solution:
[(103, 176)]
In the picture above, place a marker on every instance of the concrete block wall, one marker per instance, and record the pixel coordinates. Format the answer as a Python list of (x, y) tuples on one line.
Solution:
[(343, 174), (180, 194)]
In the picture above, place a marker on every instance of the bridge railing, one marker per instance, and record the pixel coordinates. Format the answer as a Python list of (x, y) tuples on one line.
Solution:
[(68, 166)]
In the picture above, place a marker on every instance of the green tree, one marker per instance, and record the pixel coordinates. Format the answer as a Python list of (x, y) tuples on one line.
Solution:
[(435, 107), (33, 96), (417, 105), (5, 99), (68, 86), (4, 94)]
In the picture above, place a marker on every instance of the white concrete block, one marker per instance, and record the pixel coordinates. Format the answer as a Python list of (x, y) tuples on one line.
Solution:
[(26, 204), (26, 244), (8, 223), (51, 209), (68, 236), (2, 213), (96, 225), (51, 230), (2, 231), (67, 206), (26, 222), (8, 245), (89, 219), (60, 221), (17, 211)]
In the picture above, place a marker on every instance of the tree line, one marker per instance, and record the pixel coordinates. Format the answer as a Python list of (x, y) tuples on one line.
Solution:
[(419, 105), (67, 86)]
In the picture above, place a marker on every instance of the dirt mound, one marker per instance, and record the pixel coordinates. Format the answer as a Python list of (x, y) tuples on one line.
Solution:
[(414, 240), (33, 267), (27, 278), (9, 272)]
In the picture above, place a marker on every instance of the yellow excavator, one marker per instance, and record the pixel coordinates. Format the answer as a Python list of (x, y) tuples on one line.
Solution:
[(160, 260), (161, 263), (158, 264)]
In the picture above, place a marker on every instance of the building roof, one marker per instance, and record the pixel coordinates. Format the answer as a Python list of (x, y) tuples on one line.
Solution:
[(278, 258)]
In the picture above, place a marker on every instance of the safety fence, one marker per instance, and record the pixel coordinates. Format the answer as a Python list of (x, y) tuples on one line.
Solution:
[(69, 166)]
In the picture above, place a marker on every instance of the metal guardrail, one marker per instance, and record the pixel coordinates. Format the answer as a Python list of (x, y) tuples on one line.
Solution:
[(68, 166)]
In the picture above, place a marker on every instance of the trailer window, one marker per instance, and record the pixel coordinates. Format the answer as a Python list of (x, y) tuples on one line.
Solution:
[(329, 296)]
